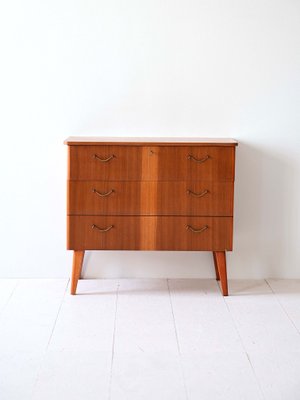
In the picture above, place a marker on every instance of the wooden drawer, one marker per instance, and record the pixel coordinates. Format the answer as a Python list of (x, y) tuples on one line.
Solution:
[(147, 163), (109, 163), (149, 233), (150, 198), (192, 163)]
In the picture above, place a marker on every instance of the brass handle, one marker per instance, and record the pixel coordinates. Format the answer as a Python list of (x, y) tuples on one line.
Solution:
[(198, 160), (103, 194), (102, 230), (104, 159), (189, 227), (197, 194)]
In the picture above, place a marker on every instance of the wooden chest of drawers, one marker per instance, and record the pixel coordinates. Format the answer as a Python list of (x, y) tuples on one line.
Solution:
[(150, 194)]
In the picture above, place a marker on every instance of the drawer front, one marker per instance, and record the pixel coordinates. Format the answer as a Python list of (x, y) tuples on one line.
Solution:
[(193, 163), (149, 233), (112, 163), (146, 163), (150, 198)]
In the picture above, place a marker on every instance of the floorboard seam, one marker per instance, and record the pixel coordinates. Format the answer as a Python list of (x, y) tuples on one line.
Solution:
[(282, 307), (178, 346), (43, 355), (59, 308), (113, 343), (10, 296), (245, 350)]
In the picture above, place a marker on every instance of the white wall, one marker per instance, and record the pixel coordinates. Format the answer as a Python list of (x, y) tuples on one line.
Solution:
[(227, 68)]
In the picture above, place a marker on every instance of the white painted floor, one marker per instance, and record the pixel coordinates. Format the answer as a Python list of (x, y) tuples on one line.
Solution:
[(149, 339)]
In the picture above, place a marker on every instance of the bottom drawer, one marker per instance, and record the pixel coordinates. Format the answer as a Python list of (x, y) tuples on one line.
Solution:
[(149, 233)]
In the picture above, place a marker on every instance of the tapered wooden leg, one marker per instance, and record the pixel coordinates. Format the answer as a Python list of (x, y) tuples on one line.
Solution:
[(78, 256), (221, 266), (216, 266)]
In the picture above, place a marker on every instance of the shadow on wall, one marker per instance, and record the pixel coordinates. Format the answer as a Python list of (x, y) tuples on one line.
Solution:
[(265, 228)]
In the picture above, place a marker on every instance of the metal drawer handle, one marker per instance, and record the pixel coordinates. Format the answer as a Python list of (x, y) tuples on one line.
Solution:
[(103, 194), (197, 194), (198, 160), (189, 227), (104, 159), (102, 230)]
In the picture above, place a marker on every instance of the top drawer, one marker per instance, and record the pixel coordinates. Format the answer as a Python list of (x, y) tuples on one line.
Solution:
[(147, 163)]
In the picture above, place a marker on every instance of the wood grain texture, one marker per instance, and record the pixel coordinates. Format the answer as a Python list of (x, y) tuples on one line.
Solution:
[(157, 141), (150, 198), (149, 233), (165, 163), (78, 257), (150, 194), (126, 163), (221, 265), (216, 266)]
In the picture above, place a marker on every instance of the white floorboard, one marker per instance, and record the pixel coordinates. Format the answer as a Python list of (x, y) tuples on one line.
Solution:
[(287, 292), (278, 374), (220, 376), (28, 319), (149, 339), (7, 287), (75, 375), (144, 320), (86, 321), (262, 323), (18, 374), (203, 321), (147, 376)]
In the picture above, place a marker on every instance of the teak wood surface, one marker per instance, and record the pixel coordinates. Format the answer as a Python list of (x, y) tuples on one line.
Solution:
[(164, 163), (220, 257), (76, 269), (150, 194), (149, 233), (150, 198)]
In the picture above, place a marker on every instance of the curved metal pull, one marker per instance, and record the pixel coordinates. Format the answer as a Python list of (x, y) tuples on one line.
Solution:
[(198, 160), (102, 230), (103, 194), (197, 194), (189, 227), (104, 159)]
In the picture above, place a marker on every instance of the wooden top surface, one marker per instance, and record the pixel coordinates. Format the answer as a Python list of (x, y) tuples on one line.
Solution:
[(157, 141)]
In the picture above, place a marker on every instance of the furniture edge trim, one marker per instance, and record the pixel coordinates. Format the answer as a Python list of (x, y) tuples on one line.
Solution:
[(119, 141)]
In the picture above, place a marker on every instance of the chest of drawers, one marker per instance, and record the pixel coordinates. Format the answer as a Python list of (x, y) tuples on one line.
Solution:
[(150, 194)]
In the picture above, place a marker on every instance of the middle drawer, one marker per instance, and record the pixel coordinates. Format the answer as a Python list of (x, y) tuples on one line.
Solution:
[(150, 198)]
